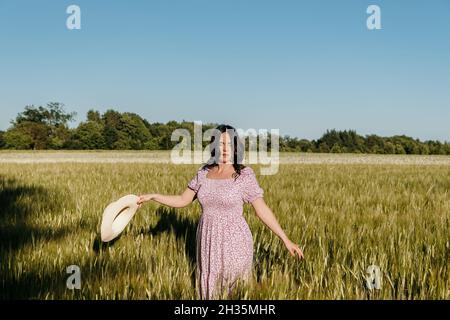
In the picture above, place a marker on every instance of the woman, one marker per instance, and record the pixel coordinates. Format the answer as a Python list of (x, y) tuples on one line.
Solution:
[(224, 240)]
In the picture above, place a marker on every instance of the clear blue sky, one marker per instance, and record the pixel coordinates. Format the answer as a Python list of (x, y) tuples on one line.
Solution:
[(299, 66)]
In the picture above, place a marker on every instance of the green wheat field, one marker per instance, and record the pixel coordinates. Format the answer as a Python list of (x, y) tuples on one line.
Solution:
[(345, 215)]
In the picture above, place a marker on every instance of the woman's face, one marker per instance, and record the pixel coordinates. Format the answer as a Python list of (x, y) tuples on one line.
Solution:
[(225, 147)]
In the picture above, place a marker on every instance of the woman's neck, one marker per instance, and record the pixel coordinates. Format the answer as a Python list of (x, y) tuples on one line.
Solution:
[(224, 167)]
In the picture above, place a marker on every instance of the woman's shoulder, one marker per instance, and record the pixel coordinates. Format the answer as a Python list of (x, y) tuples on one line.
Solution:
[(247, 172), (203, 170)]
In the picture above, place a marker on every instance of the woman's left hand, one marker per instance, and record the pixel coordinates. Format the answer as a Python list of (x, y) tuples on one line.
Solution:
[(293, 249)]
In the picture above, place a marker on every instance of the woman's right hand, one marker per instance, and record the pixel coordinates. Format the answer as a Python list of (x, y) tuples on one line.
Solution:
[(144, 198)]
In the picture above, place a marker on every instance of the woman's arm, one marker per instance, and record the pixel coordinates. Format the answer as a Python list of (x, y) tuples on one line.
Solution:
[(174, 201), (266, 215)]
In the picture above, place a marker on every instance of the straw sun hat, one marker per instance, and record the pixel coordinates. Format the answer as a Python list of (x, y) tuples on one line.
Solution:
[(117, 215)]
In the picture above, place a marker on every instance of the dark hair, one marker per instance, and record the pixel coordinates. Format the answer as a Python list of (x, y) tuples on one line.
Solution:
[(237, 148)]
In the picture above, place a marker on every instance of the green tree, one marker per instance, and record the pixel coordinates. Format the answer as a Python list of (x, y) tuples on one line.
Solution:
[(60, 138), (375, 144), (389, 147), (112, 126), (399, 149), (38, 133), (134, 134), (57, 116), (17, 139), (88, 135), (330, 138), (447, 148), (352, 141), (2, 140), (31, 114), (46, 127), (94, 116), (323, 147), (305, 145), (336, 148), (52, 115), (125, 131)]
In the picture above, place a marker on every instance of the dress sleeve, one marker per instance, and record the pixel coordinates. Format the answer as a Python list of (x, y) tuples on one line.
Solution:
[(196, 181), (252, 190)]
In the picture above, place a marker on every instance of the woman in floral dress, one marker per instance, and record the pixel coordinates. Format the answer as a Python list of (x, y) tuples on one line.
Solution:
[(224, 240)]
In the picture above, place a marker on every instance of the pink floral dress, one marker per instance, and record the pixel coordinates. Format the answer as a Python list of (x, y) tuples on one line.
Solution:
[(224, 241)]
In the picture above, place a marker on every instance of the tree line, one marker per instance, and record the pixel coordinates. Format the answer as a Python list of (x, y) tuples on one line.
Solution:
[(47, 128)]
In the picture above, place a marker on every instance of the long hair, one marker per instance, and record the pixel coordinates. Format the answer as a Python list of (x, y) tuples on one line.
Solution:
[(237, 149)]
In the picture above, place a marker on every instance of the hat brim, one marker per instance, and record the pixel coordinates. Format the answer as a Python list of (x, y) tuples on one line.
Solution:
[(117, 215)]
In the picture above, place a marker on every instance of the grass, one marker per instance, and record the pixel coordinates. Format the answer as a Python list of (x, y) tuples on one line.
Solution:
[(346, 217)]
